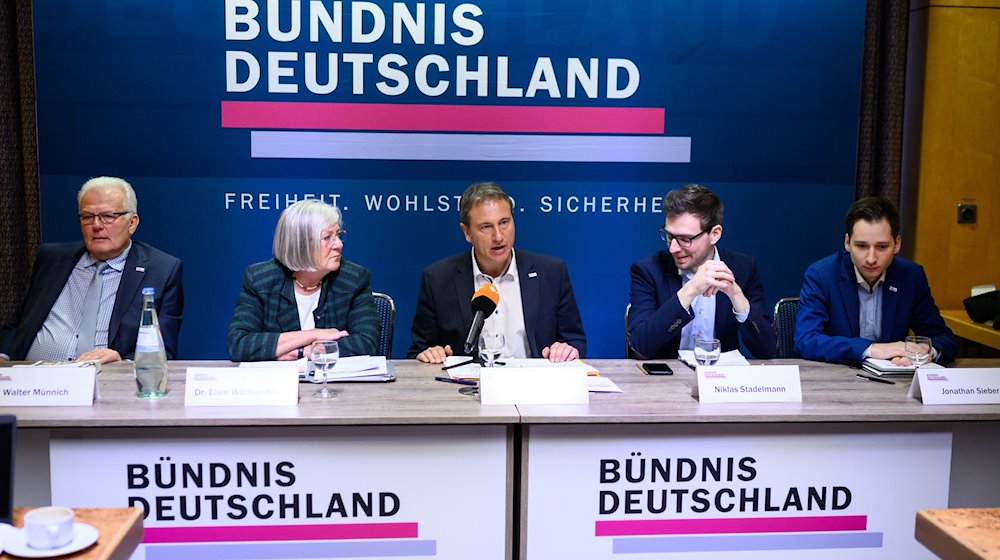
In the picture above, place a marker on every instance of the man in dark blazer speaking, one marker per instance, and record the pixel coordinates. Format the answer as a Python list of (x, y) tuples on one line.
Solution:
[(694, 289), (537, 311), (84, 300)]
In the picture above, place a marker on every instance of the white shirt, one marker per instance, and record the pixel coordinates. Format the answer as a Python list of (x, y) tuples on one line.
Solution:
[(509, 315), (307, 304)]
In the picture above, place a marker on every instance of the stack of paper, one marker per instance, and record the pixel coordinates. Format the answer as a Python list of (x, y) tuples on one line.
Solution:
[(886, 367), (462, 367), (731, 358), (350, 368)]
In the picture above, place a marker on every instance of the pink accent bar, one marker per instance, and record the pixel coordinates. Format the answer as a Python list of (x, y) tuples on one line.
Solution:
[(242, 533), (293, 115), (736, 525)]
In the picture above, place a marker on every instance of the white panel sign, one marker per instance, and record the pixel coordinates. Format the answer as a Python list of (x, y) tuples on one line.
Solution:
[(302, 493), (57, 385), (533, 385), (225, 386), (721, 384), (667, 491), (956, 386)]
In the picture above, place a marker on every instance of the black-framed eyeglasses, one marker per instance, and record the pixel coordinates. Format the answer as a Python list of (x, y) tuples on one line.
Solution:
[(106, 218), (683, 241), (328, 238)]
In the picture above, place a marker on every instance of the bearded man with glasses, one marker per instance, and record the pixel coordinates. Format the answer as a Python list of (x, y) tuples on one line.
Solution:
[(694, 289), (84, 300)]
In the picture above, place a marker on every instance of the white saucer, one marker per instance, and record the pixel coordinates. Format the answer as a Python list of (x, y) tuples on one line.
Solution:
[(84, 535)]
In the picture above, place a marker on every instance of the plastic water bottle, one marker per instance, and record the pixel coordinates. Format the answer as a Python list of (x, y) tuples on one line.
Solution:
[(150, 356)]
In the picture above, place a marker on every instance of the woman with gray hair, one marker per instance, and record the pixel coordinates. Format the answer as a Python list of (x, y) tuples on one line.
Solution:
[(307, 292)]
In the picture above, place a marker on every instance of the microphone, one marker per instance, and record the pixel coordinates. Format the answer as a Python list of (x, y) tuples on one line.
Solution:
[(484, 302)]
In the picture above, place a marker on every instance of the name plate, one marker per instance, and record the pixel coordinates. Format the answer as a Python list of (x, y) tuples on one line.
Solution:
[(722, 384), (267, 386), (956, 386), (533, 385), (58, 385)]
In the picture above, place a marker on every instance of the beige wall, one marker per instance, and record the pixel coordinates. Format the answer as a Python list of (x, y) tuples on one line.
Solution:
[(959, 145)]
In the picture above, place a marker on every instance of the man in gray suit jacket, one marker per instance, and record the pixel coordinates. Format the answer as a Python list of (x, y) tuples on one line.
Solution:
[(537, 311), (84, 300)]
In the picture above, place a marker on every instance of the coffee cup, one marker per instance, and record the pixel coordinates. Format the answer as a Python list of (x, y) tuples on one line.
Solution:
[(49, 527)]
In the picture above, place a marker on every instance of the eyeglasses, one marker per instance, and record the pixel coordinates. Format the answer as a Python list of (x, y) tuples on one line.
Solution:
[(328, 238), (683, 241), (106, 218)]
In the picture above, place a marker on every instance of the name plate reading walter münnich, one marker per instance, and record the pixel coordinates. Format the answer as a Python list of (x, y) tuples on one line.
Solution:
[(70, 384)]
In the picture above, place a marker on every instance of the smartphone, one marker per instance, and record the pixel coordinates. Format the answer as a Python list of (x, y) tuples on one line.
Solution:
[(657, 368)]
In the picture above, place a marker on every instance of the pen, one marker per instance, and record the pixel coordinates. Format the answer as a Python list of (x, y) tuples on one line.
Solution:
[(877, 379), (459, 381), (458, 364)]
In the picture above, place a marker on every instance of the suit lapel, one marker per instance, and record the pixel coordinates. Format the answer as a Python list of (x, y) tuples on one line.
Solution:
[(288, 310), (890, 301), (132, 276), (527, 277), (464, 286), (848, 286)]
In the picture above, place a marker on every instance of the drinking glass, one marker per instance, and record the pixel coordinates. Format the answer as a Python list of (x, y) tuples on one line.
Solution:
[(491, 343), (707, 351), (917, 349), (325, 354)]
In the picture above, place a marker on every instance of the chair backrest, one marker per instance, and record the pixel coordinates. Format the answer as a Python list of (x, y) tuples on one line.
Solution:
[(629, 353), (7, 429), (784, 326), (386, 309)]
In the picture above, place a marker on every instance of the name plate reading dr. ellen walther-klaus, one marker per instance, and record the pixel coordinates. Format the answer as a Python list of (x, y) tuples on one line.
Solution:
[(276, 386), (956, 386), (721, 384)]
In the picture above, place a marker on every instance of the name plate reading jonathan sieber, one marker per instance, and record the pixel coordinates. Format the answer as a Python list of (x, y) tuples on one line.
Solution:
[(956, 386), (270, 386), (73, 384), (722, 384)]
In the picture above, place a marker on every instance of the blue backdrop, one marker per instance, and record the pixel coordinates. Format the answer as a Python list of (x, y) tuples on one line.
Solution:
[(766, 91)]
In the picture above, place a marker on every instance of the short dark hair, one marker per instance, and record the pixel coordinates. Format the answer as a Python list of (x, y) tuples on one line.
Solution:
[(696, 200), (872, 209), (478, 192)]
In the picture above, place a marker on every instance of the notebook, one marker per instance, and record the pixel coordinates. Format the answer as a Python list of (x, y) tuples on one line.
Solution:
[(7, 428)]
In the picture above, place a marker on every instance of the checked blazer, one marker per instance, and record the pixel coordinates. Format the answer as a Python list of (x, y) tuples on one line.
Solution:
[(266, 308)]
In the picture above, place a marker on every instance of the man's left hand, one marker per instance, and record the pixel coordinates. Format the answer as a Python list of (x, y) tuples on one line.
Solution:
[(103, 355), (560, 352)]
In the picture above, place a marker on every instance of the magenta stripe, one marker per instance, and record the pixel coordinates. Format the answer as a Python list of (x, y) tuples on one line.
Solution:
[(293, 115), (731, 525), (237, 533)]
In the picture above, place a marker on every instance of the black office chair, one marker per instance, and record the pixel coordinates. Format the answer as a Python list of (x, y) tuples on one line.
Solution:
[(784, 326), (386, 310), (629, 352)]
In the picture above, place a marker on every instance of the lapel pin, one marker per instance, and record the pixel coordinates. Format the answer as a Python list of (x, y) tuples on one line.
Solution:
[(532, 274), (893, 289), (140, 269)]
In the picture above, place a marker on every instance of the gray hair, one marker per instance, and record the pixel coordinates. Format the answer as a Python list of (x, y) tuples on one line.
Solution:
[(479, 192), (131, 204), (299, 231)]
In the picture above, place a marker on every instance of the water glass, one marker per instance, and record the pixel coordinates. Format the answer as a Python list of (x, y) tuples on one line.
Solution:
[(917, 349), (707, 351), (325, 354), (490, 347)]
